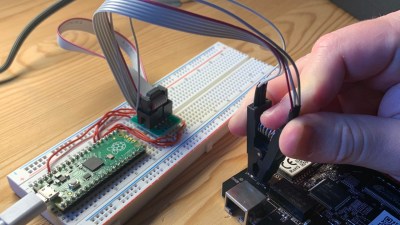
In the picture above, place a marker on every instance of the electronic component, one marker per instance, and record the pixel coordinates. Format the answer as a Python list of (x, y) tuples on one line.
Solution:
[(263, 153), (61, 178), (110, 156), (332, 195), (154, 107), (169, 124), (293, 198), (243, 201), (62, 196), (293, 167), (86, 176), (48, 192), (74, 184), (384, 192), (329, 194), (93, 163)]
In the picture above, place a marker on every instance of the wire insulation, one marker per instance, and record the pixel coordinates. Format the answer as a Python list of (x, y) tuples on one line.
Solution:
[(29, 28), (105, 126), (175, 18)]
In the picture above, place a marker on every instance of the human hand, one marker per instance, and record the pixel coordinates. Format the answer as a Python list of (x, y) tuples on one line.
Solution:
[(350, 99)]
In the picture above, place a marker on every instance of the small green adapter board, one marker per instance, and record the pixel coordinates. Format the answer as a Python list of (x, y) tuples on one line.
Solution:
[(165, 127), (70, 181)]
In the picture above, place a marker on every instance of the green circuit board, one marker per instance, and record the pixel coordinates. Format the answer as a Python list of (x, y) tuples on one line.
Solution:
[(70, 181)]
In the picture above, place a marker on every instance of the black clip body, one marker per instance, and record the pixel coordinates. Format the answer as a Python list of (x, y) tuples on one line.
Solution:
[(264, 155), (154, 107)]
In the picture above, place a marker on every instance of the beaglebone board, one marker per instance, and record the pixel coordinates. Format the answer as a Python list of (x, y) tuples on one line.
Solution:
[(310, 193), (205, 92)]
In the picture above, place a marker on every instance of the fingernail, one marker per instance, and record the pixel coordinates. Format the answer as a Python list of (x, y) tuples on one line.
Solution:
[(274, 117), (267, 120), (237, 123), (268, 112)]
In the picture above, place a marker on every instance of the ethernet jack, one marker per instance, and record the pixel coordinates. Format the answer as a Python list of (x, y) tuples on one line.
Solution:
[(245, 202)]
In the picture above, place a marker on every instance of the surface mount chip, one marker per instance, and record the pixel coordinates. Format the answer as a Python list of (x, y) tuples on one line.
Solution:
[(93, 163), (293, 198), (87, 176), (330, 194), (62, 178)]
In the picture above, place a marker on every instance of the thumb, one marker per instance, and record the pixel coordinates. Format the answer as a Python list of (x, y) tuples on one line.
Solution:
[(361, 140)]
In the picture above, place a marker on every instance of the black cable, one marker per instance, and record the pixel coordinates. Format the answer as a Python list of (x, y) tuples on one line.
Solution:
[(29, 28), (259, 95)]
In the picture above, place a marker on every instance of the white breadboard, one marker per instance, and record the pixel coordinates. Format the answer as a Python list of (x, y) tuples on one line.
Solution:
[(205, 93)]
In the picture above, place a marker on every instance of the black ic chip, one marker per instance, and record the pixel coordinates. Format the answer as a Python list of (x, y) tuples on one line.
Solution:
[(293, 198), (62, 178), (330, 194), (86, 176), (93, 163)]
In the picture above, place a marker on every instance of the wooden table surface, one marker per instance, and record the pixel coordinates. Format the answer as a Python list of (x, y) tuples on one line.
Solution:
[(56, 92)]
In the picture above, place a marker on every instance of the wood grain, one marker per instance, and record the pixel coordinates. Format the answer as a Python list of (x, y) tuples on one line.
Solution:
[(57, 92)]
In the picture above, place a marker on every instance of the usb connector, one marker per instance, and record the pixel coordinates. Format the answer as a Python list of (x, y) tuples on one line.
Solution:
[(27, 208)]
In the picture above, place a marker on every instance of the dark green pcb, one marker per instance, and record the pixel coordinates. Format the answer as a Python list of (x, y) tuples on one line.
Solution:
[(70, 181)]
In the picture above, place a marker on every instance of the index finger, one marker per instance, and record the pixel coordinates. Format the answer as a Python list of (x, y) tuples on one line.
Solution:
[(364, 51), (276, 89)]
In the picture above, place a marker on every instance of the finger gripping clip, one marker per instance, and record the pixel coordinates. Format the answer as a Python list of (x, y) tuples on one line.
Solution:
[(264, 155)]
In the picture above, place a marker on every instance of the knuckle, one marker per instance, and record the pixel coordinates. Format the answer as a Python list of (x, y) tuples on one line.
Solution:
[(344, 145), (392, 20), (350, 140), (326, 42), (351, 143)]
